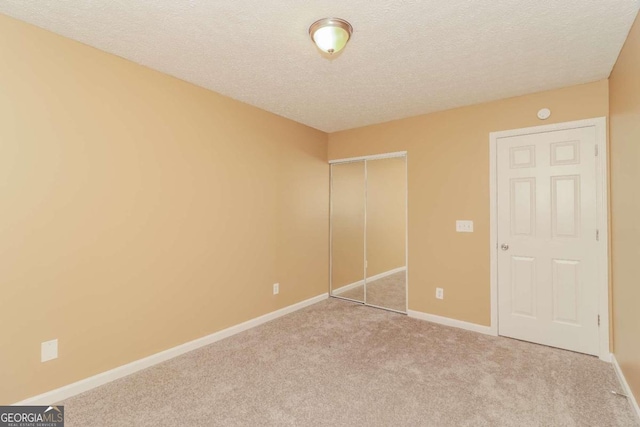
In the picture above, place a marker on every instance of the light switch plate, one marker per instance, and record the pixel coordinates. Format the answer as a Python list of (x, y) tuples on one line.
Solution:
[(464, 226), (49, 350)]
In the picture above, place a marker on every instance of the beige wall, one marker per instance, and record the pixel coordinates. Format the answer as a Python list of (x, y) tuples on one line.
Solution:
[(347, 223), (140, 212), (386, 214), (624, 134), (448, 166)]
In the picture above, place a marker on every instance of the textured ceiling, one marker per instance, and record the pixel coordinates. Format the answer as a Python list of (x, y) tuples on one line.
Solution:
[(405, 58)]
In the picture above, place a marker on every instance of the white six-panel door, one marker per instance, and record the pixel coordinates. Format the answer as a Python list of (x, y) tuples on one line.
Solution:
[(547, 242)]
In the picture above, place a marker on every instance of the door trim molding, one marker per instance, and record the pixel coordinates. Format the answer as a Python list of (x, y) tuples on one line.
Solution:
[(600, 125), (370, 157)]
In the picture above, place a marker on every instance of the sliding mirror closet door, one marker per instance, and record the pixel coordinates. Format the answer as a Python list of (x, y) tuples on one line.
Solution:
[(347, 230), (386, 225)]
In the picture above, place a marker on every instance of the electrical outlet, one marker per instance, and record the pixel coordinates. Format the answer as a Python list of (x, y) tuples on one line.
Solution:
[(439, 293), (464, 226), (49, 350), (276, 288)]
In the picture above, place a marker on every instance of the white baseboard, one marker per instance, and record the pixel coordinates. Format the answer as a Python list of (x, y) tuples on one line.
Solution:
[(487, 330), (625, 386), (86, 384), (369, 279), (348, 287)]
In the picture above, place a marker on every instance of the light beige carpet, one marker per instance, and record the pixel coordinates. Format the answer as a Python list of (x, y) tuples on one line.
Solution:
[(339, 363), (388, 292)]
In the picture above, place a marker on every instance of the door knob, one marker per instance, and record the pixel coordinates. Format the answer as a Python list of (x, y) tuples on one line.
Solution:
[(504, 247)]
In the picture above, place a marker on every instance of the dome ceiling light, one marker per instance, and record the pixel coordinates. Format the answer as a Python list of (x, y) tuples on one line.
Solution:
[(330, 34)]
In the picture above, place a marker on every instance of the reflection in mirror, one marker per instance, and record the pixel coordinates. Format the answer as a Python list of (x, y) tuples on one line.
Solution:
[(386, 233), (347, 230)]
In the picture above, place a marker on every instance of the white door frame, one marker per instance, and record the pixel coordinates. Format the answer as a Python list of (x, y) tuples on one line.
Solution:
[(602, 213)]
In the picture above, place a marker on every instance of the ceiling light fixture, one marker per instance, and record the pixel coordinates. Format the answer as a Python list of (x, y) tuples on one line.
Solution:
[(330, 34)]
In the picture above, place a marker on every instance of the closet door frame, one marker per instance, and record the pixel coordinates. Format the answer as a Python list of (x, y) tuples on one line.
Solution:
[(364, 159)]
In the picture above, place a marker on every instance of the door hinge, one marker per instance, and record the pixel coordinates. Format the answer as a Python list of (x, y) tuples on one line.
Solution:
[(596, 150), (597, 235), (598, 320)]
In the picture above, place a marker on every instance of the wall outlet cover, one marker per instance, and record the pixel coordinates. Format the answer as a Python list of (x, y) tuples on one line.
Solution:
[(49, 350), (276, 288), (439, 293)]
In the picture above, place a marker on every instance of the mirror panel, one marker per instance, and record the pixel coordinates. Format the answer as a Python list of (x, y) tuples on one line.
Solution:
[(347, 230), (386, 217)]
